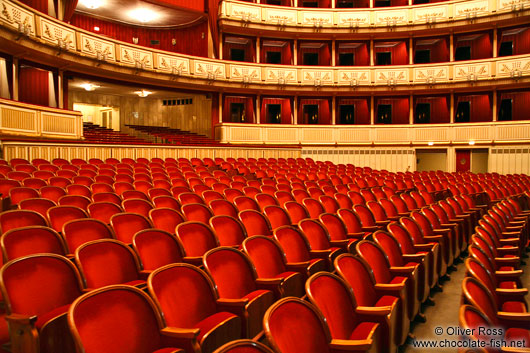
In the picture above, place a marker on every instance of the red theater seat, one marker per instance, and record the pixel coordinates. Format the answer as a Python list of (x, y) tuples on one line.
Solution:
[(156, 248)]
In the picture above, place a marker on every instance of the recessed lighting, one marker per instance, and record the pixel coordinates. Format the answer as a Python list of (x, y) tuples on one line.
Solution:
[(143, 93), (430, 143), (89, 86), (143, 15), (471, 143), (96, 28), (92, 4)]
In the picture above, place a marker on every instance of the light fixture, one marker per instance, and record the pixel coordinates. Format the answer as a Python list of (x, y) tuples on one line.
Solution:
[(96, 28), (92, 4), (143, 93), (471, 143), (430, 143), (143, 15), (89, 86)]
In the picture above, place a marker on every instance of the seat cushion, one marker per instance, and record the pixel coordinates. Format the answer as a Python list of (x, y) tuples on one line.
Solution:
[(398, 280), (362, 331), (211, 322), (250, 296), (507, 285), (514, 307), (386, 300), (518, 334), (44, 318)]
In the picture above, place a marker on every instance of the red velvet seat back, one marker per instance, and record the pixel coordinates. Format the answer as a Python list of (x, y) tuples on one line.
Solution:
[(223, 207), (184, 293), (409, 201), (365, 215), (156, 248), (255, 223), (40, 205), (294, 326), (104, 262), (377, 210), (126, 225), (78, 201), (441, 213), (356, 197), (30, 240), (196, 212), (368, 195), (329, 203), (116, 319), (377, 260), (399, 203), (34, 183), (166, 202), (343, 200), (196, 238), (359, 276), (476, 294), (20, 218), (316, 234), (266, 255), (351, 220), (231, 193), (210, 195), (231, 271), (389, 208), (277, 216), (244, 346), (189, 197), (36, 284), (135, 194), (336, 228), (314, 207), (137, 206), (246, 203), (426, 220), (293, 243), (266, 200), (390, 246), (228, 229), (78, 189), (403, 235), (336, 302), (80, 231), (478, 271), (296, 211), (59, 215), (103, 210), (283, 197), (166, 219), (19, 193)]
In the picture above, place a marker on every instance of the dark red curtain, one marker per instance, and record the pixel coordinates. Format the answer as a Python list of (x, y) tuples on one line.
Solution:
[(521, 41), (400, 109), (399, 2), (439, 50), (33, 86), (213, 8), (463, 160), (285, 113), (361, 107), (361, 53), (39, 5), (481, 47), (285, 50), (324, 112), (324, 54), (480, 107), (520, 104), (400, 53), (439, 108), (250, 50), (324, 3), (69, 8), (188, 40), (249, 108)]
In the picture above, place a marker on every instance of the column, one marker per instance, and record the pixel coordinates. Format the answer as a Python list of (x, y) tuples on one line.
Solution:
[(372, 110), (60, 89), (495, 117), (220, 107), (14, 94), (295, 110), (333, 111), (295, 51), (495, 39), (258, 109), (220, 46), (295, 3), (258, 48), (411, 48), (333, 54), (411, 110), (372, 54), (371, 4), (452, 108), (451, 47)]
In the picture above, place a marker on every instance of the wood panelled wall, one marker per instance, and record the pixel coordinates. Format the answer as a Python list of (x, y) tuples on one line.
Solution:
[(194, 117)]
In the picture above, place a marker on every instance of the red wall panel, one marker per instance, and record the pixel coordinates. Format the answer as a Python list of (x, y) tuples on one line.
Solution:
[(362, 110), (480, 107), (286, 109), (463, 160), (520, 104), (400, 109), (400, 53), (39, 5), (439, 108), (188, 40), (33, 86)]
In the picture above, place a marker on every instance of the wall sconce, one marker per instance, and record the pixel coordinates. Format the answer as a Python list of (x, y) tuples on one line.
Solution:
[(391, 82), (135, 40), (246, 17), (246, 79), (354, 82), (318, 82), (516, 73), (24, 29), (139, 64), (318, 23), (176, 70), (354, 23), (281, 81), (391, 23), (471, 15), (431, 80), (101, 56), (471, 77), (211, 76), (281, 22), (431, 20), (173, 41)]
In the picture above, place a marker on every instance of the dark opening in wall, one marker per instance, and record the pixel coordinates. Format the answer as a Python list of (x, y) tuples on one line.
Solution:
[(311, 114), (347, 114), (463, 53), (422, 113), (383, 58), (463, 112), (310, 59), (237, 112), (274, 113), (384, 114), (346, 59), (237, 54), (273, 57), (505, 110), (506, 49), (422, 56)]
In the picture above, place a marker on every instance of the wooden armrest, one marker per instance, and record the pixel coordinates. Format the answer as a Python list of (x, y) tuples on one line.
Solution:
[(358, 235), (370, 228), (374, 310), (402, 270), (232, 302), (350, 345), (269, 281), (21, 319), (297, 266), (418, 258), (186, 333)]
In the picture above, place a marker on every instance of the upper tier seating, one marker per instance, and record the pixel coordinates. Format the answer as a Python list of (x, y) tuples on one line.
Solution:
[(164, 134)]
